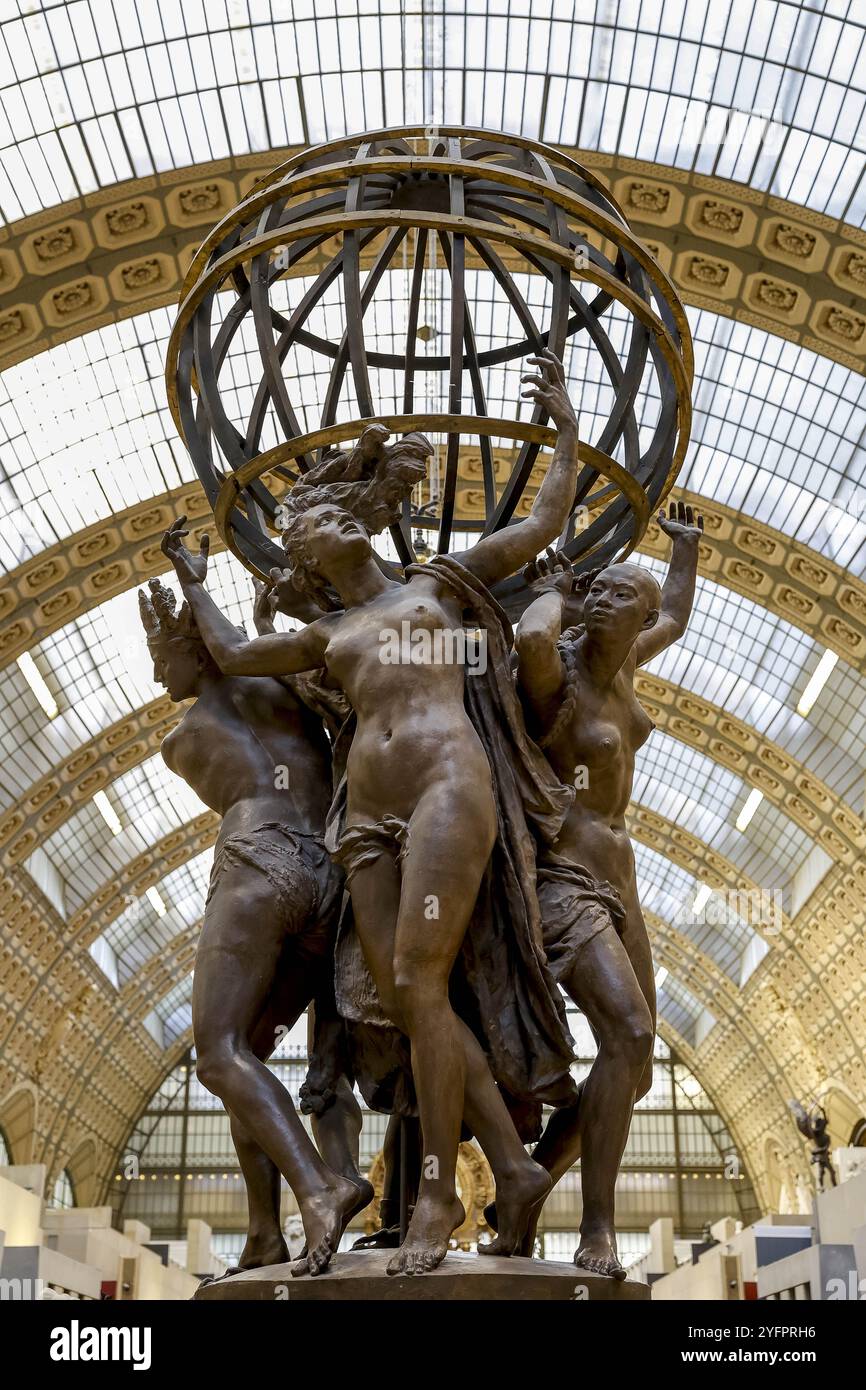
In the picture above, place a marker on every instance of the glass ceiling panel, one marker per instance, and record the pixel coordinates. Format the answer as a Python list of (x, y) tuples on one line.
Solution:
[(673, 780), (98, 670), (756, 665), (768, 93), (734, 653), (669, 891), (678, 1007), (141, 932), (688, 788), (174, 1010), (149, 801)]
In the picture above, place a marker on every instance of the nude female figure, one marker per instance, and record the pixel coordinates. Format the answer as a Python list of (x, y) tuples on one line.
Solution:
[(577, 688), (417, 765), (269, 925)]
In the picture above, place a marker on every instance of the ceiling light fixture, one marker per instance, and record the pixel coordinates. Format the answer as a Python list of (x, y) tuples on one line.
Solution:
[(702, 897), (155, 901), (108, 813), (34, 678), (661, 976), (816, 682), (753, 801)]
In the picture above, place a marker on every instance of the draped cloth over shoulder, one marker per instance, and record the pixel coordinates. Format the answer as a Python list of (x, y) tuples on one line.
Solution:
[(501, 985)]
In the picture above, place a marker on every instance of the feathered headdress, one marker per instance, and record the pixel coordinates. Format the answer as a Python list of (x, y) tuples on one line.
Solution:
[(161, 622)]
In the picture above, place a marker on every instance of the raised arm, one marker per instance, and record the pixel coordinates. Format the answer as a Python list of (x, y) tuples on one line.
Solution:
[(685, 529), (539, 665), (276, 654), (506, 551)]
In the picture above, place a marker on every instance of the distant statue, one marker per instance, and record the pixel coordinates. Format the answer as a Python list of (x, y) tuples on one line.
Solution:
[(256, 754), (812, 1124)]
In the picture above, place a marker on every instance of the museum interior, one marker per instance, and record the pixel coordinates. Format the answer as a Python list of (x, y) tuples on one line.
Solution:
[(731, 138)]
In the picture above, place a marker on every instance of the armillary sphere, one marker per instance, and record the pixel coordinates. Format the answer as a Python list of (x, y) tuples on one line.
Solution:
[(403, 276)]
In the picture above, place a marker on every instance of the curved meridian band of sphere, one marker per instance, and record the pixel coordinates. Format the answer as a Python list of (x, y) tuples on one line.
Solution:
[(521, 241), (262, 190), (678, 317), (247, 250)]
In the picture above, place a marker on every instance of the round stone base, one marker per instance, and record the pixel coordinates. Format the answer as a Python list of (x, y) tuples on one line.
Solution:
[(464, 1278)]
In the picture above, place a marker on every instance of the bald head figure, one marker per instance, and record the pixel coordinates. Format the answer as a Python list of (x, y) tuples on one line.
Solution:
[(622, 601)]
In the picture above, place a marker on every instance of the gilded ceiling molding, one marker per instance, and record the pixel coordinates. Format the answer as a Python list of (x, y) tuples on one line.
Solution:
[(790, 785), (729, 248), (161, 972), (712, 988), (753, 1106), (144, 871), (55, 1017), (827, 927), (93, 565), (48, 803), (777, 573)]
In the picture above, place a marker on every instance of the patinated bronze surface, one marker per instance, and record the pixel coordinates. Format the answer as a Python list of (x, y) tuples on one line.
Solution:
[(423, 809), (364, 1276), (257, 755), (413, 202), (578, 647)]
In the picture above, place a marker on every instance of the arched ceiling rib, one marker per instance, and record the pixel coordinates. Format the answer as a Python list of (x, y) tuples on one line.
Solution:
[(745, 256), (48, 802)]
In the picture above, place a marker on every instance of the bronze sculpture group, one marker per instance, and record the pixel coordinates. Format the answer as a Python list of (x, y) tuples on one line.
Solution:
[(430, 850)]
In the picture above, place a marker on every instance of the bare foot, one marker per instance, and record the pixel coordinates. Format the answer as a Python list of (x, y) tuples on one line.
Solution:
[(518, 1202), (365, 1193), (261, 1250), (527, 1245), (365, 1196), (324, 1217), (430, 1229), (597, 1254)]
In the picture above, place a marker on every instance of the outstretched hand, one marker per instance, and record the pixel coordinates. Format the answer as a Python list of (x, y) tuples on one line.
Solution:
[(546, 388), (190, 569), (264, 606), (584, 581), (682, 522), (550, 573)]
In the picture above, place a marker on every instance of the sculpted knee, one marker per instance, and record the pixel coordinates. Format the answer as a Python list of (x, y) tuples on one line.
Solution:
[(634, 1038), (414, 990), (213, 1067)]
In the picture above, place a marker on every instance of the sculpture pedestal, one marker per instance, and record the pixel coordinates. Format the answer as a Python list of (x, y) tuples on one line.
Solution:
[(461, 1278)]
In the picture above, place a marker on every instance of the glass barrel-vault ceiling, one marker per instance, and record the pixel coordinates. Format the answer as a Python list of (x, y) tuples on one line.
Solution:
[(768, 93)]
